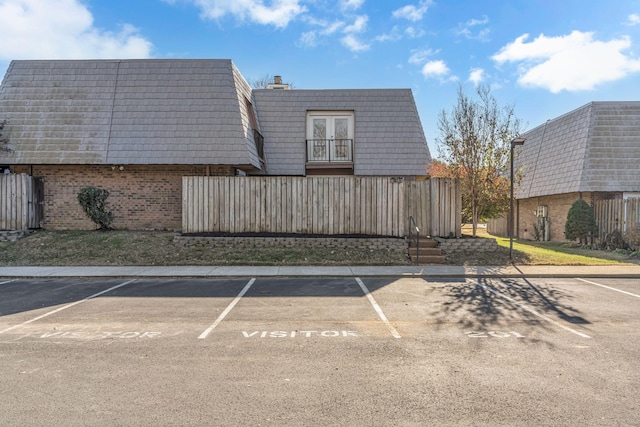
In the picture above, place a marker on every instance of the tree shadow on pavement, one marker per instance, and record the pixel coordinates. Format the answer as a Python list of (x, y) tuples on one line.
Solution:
[(486, 303)]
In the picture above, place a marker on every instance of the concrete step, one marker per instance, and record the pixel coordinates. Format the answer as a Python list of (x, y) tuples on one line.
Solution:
[(426, 252), (421, 250), (428, 259), (423, 242)]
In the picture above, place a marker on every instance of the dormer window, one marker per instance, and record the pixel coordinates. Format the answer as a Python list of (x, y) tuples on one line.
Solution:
[(330, 136)]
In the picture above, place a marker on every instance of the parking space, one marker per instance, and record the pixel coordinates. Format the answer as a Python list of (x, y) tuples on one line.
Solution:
[(304, 307), (108, 309), (309, 351)]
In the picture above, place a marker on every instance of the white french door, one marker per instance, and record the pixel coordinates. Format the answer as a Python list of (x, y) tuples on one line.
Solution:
[(329, 137)]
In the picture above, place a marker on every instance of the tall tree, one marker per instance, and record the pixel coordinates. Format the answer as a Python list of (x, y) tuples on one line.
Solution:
[(494, 200), (475, 141)]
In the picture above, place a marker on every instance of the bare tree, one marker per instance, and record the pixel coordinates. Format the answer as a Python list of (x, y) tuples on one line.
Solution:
[(475, 141), (260, 82), (263, 82)]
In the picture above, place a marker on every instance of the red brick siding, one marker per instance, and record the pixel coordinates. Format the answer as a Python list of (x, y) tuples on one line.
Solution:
[(141, 197), (557, 209)]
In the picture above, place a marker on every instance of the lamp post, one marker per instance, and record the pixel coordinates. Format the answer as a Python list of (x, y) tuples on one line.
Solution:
[(514, 142)]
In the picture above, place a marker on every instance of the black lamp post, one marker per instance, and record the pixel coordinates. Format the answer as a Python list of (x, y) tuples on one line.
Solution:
[(514, 142)]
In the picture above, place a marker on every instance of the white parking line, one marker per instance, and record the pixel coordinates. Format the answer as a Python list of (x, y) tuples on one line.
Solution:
[(57, 310), (608, 287), (227, 310), (7, 281), (532, 311), (378, 310)]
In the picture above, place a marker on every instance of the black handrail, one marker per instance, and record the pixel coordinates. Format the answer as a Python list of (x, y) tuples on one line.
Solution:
[(325, 146), (413, 227)]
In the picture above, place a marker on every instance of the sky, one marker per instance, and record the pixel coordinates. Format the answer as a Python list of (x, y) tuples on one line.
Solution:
[(544, 57)]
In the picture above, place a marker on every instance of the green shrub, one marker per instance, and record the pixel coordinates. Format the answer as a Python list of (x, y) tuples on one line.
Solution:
[(94, 202), (581, 222)]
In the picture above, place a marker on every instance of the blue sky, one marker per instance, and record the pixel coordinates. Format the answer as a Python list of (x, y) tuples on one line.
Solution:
[(546, 57)]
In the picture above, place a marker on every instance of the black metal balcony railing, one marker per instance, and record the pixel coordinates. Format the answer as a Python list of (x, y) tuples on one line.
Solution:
[(329, 150)]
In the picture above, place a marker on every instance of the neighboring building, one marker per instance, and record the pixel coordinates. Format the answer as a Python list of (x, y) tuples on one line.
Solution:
[(136, 127), (591, 153)]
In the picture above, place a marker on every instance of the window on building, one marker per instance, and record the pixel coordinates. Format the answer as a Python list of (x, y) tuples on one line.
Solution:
[(330, 136)]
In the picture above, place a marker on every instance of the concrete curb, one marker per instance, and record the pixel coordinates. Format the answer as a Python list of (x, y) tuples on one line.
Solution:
[(214, 272)]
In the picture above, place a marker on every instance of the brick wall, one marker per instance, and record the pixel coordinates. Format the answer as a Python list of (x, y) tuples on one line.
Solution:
[(141, 197), (557, 209)]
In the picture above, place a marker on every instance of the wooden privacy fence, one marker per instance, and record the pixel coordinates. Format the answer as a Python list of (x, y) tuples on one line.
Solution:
[(21, 199), (499, 226), (616, 215), (320, 205)]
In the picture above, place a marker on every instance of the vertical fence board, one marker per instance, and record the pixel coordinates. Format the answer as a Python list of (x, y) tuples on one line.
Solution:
[(21, 202), (318, 205), (617, 215)]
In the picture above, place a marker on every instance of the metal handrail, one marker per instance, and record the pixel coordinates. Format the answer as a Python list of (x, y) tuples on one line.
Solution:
[(414, 227), (329, 149)]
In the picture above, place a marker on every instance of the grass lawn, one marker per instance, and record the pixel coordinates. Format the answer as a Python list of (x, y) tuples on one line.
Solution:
[(528, 252), (123, 247)]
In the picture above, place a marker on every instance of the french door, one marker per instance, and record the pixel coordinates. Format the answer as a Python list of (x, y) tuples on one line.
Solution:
[(329, 137)]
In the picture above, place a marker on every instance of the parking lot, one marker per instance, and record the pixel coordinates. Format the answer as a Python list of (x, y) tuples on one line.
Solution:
[(320, 351)]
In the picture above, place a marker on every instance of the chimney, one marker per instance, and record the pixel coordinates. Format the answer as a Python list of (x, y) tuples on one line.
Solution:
[(277, 83)]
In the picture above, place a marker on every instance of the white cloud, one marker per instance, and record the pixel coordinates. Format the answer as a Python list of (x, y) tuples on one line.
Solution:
[(358, 26), (352, 43), (573, 62), (475, 29), (476, 76), (308, 39), (413, 33), (412, 12), (351, 4), (394, 35), (325, 27), (420, 56), (633, 19), (435, 68), (330, 28), (279, 13), (62, 29)]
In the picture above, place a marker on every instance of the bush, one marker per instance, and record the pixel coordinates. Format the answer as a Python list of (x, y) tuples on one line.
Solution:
[(632, 237), (581, 222), (614, 241), (94, 202)]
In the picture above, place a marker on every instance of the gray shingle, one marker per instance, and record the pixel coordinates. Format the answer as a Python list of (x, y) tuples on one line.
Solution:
[(192, 112), (386, 120), (593, 148), (111, 111)]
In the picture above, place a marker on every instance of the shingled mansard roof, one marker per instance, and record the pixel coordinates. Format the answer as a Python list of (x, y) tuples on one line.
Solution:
[(593, 148), (127, 112), (388, 131), (192, 112)]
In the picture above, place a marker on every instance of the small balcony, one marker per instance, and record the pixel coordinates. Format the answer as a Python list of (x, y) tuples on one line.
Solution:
[(329, 151)]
